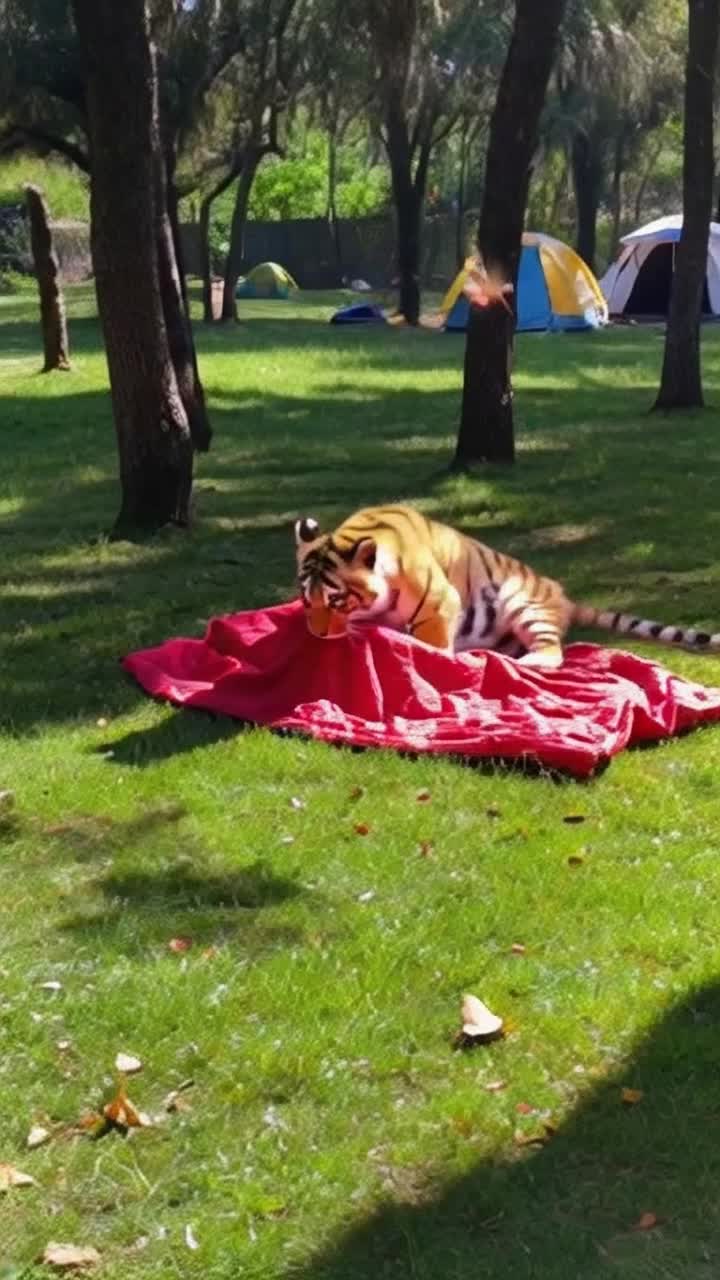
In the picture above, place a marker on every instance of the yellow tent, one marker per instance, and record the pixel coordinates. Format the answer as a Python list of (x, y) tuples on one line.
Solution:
[(266, 280), (555, 290)]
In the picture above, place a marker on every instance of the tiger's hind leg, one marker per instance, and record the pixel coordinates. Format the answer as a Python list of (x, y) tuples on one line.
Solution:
[(538, 616)]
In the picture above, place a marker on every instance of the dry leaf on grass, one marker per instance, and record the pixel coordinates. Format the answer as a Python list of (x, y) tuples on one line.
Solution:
[(190, 1240), (362, 829), (426, 848), (357, 792), (52, 985), (646, 1222), (518, 948), (574, 819), (492, 811), (179, 944), (423, 796), (127, 1064), (123, 1114), (479, 1024), (12, 1177), (37, 1136), (495, 1086), (69, 1257), (631, 1096), (575, 860)]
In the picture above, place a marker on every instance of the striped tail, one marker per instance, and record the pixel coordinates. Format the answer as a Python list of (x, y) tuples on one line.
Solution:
[(625, 624)]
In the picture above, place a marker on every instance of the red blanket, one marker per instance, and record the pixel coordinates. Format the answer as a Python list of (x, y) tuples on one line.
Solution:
[(388, 690)]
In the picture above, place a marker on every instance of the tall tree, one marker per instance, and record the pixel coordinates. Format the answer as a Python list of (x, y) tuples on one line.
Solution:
[(486, 428), (425, 54), (681, 381), (127, 213), (47, 272)]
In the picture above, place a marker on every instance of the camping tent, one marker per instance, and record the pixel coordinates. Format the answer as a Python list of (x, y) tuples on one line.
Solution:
[(266, 280), (556, 289), (638, 282)]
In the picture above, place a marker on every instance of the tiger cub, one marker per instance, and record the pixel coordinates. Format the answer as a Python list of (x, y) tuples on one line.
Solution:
[(393, 566)]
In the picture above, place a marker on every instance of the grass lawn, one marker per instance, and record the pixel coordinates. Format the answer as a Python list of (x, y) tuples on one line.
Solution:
[(331, 1132)]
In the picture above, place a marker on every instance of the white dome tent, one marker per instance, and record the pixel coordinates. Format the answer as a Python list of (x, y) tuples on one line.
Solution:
[(638, 283)]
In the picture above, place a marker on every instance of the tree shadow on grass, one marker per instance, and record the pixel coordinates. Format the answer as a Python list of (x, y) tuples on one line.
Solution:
[(571, 1209)]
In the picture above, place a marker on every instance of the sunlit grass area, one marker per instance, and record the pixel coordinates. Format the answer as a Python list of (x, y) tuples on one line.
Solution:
[(330, 1131)]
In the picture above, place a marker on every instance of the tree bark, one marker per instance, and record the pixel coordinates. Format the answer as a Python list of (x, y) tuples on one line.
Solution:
[(206, 205), (681, 381), (47, 271), (332, 214), (153, 431), (585, 181), (173, 293), (617, 192), (486, 427), (236, 253), (408, 197)]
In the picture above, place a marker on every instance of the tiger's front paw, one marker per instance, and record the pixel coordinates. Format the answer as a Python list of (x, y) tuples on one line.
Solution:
[(547, 659)]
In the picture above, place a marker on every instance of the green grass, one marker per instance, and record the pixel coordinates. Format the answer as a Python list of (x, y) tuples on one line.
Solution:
[(333, 1133), (66, 189)]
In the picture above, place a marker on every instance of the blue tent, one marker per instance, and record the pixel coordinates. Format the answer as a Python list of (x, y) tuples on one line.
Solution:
[(359, 313), (556, 290)]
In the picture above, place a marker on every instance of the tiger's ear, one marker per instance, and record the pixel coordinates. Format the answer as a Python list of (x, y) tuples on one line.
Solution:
[(366, 553), (306, 530)]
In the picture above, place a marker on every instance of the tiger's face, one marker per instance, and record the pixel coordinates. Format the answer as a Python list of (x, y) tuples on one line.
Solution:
[(339, 586)]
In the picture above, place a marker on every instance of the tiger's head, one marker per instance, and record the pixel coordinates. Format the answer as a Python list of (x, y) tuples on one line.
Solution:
[(339, 582)]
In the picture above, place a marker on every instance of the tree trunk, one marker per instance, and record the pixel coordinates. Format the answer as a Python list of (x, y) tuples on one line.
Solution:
[(206, 205), (486, 426), (332, 214), (173, 293), (236, 252), (408, 198), (585, 181), (153, 432), (47, 272), (681, 381), (460, 245), (617, 193)]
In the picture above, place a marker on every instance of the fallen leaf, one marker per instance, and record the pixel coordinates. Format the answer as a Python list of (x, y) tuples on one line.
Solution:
[(297, 803), (37, 1136), (209, 953), (423, 796), (518, 948), (426, 848), (575, 860), (12, 1177), (63, 1045), (175, 1101), (492, 812), (357, 792), (646, 1222), (574, 819), (287, 839), (69, 1257), (524, 1109), (631, 1096), (179, 944), (533, 1139), (495, 1086), (123, 1114), (101, 722), (127, 1064), (190, 1240), (367, 896), (479, 1025), (362, 829), (7, 799), (52, 985)]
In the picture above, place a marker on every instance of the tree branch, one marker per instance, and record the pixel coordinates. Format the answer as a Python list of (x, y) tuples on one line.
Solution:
[(19, 136)]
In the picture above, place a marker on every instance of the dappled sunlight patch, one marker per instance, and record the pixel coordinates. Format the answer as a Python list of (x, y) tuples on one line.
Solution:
[(561, 535)]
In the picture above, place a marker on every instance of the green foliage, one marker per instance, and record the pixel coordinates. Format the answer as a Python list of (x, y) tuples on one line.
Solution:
[(329, 1113), (66, 189)]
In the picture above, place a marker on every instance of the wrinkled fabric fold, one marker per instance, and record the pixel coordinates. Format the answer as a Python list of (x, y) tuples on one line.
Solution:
[(385, 689)]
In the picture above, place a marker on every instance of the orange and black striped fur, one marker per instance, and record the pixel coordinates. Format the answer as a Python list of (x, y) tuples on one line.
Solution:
[(393, 566)]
